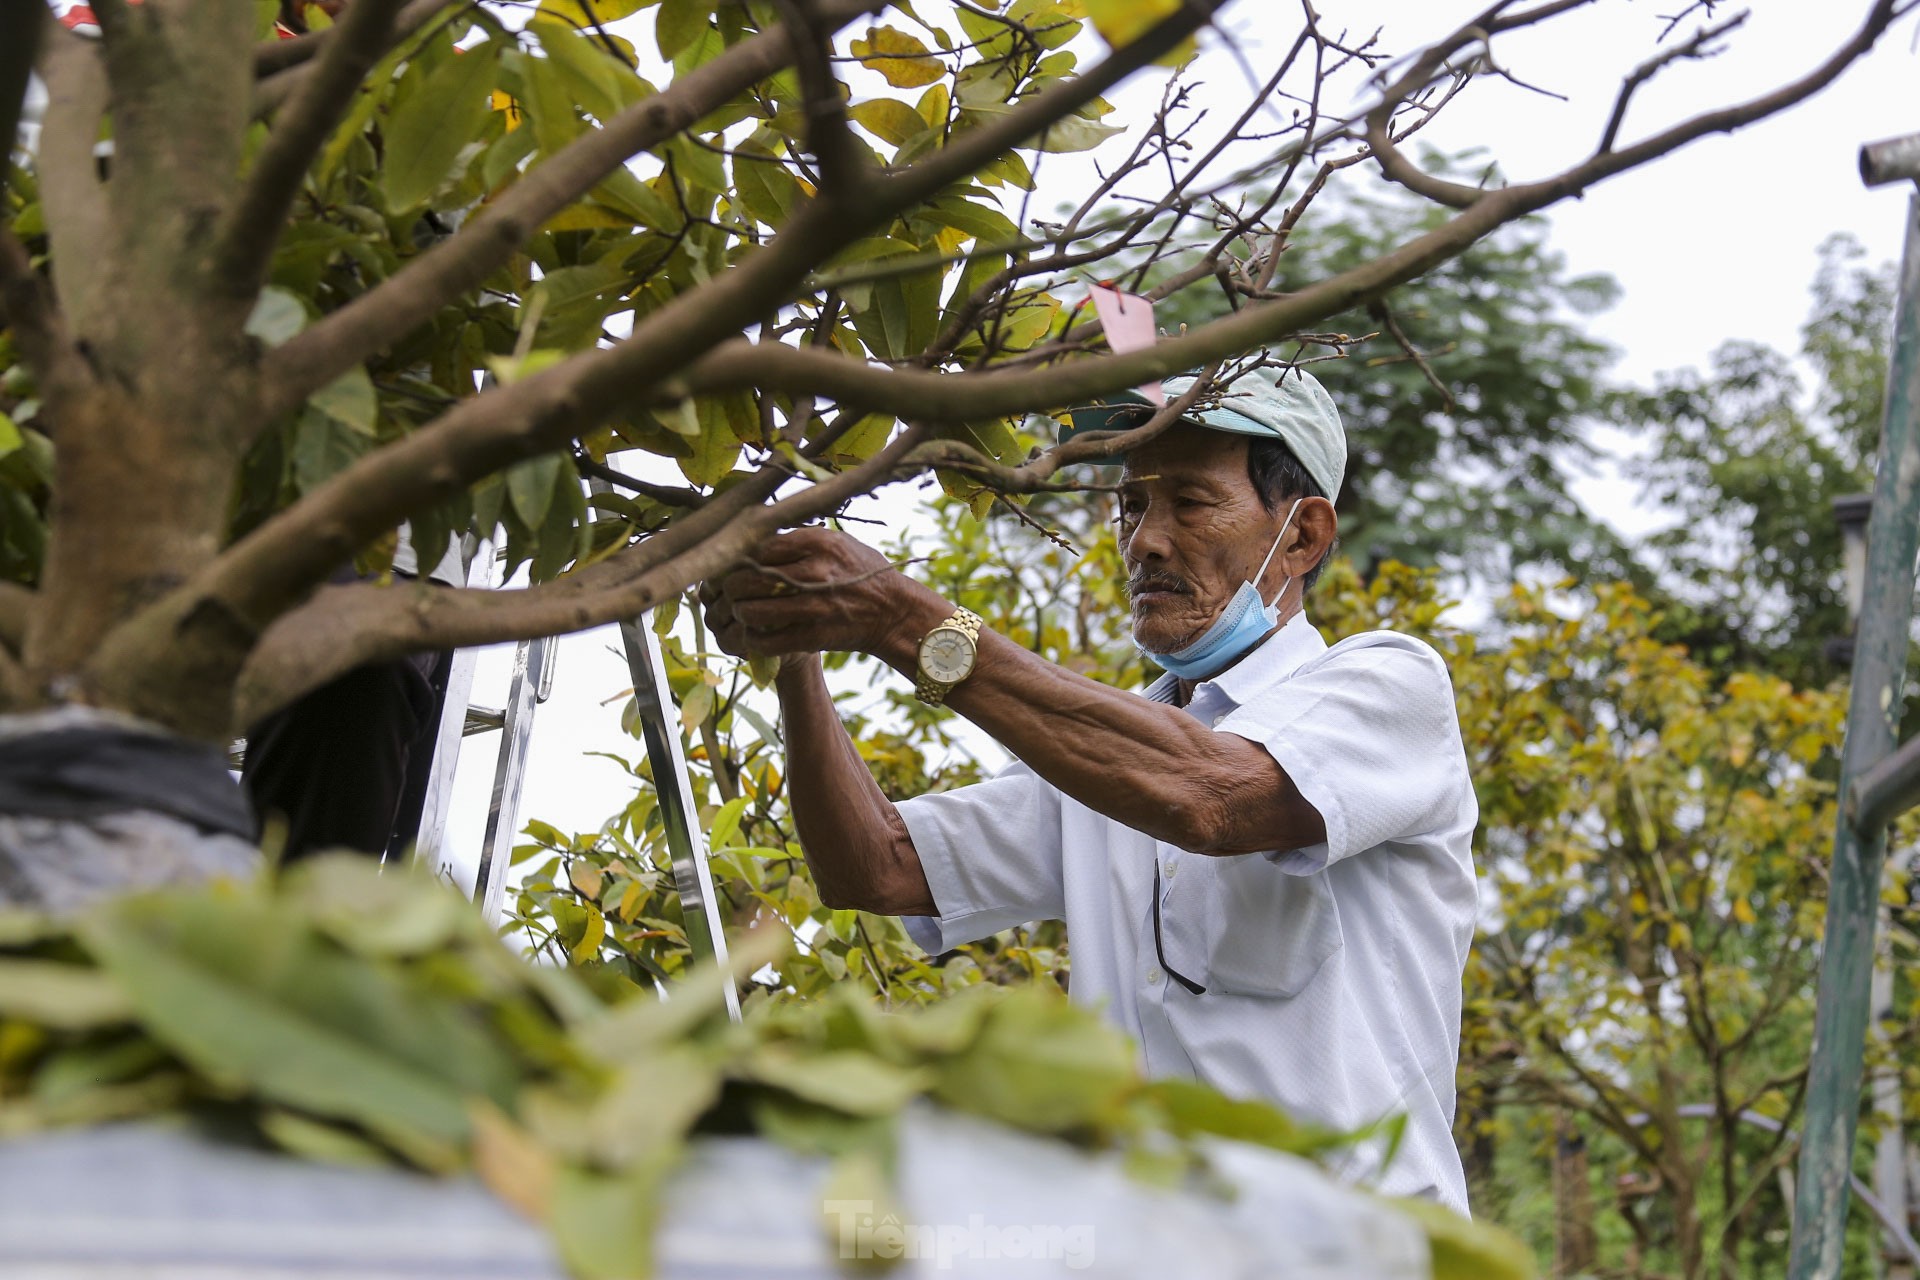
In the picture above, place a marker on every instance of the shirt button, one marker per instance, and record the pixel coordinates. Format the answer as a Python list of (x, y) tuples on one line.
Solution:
[(1173, 868), (1153, 977), (1218, 718)]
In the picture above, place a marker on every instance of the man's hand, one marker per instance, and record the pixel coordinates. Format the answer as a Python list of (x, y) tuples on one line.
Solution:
[(815, 590)]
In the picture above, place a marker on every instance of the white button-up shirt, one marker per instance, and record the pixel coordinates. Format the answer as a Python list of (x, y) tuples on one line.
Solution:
[(1325, 979)]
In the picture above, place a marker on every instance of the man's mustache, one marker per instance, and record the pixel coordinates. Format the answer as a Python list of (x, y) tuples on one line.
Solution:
[(1145, 582)]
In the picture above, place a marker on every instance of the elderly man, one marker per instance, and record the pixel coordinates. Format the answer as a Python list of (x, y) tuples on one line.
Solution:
[(1263, 860)]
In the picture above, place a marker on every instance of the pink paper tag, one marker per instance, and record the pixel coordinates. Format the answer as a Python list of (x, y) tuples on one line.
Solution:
[(1128, 321)]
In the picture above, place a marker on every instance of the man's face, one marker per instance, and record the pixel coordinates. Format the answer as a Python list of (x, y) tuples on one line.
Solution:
[(1192, 529)]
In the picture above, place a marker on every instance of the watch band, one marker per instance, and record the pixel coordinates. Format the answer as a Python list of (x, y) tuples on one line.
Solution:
[(934, 692)]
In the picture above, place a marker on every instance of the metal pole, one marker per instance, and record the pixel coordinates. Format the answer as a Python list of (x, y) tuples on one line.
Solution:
[(531, 663), (1879, 670), (686, 841), (429, 845), (679, 815)]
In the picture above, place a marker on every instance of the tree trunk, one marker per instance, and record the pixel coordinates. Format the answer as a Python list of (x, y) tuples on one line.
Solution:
[(1574, 1247)]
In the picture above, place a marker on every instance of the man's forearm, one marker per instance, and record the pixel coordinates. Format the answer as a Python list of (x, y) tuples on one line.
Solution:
[(1140, 763), (855, 840)]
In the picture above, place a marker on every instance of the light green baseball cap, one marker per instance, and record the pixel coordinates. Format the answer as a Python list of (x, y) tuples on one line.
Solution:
[(1285, 404)]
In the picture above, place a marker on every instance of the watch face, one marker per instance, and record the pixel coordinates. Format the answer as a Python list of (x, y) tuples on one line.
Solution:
[(946, 655)]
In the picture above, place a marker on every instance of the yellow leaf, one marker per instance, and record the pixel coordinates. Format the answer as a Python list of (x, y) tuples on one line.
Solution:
[(898, 56), (510, 1161), (1121, 22), (1743, 911)]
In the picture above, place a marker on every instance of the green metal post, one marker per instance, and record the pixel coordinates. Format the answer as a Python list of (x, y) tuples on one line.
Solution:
[(1873, 717)]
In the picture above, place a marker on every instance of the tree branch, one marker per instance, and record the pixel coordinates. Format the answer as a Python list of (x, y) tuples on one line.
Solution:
[(223, 607), (1696, 46), (347, 625), (253, 225), (283, 66), (71, 189), (844, 159), (462, 262)]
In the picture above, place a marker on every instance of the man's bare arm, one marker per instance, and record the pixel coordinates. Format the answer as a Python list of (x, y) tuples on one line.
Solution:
[(1144, 764), (855, 840)]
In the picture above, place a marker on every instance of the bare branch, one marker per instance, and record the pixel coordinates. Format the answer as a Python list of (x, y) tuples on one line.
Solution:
[(253, 225), (665, 494), (1699, 45), (463, 261)]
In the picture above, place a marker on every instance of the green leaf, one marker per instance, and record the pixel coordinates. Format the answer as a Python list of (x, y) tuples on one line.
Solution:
[(530, 488), (888, 119), (594, 76), (1464, 1250), (603, 1223), (679, 23), (246, 994), (65, 997), (431, 125), (899, 56), (10, 437), (848, 1080), (1072, 134), (716, 448), (585, 13), (350, 400), (726, 823), (323, 447)]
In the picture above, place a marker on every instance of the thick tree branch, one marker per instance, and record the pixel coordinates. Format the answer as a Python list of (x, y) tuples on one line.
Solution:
[(741, 364), (272, 568), (344, 626), (229, 602), (71, 188), (254, 223), (462, 262)]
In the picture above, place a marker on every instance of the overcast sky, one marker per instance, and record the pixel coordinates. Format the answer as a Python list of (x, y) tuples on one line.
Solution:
[(1714, 243)]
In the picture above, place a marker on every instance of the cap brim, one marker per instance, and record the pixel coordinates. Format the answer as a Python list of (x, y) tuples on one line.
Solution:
[(1117, 412)]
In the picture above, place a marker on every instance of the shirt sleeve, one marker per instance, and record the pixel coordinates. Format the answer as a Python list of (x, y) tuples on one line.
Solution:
[(1370, 736), (991, 853)]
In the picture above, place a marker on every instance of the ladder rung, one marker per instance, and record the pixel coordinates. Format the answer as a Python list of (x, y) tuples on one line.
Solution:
[(483, 720)]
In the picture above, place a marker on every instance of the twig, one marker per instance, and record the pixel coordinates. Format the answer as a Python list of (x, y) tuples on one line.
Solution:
[(1696, 46)]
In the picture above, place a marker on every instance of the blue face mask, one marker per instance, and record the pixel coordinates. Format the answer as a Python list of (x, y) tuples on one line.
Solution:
[(1242, 625)]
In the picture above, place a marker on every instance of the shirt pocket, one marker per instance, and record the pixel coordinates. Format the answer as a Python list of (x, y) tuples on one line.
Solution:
[(1241, 925)]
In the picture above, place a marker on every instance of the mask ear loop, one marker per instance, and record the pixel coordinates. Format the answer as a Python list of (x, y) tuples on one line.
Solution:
[(1261, 572)]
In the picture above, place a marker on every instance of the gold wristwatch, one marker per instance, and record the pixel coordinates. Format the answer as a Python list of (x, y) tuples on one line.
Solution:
[(947, 654)]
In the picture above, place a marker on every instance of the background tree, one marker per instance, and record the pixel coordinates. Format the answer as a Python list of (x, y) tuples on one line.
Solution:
[(1464, 399), (1749, 459)]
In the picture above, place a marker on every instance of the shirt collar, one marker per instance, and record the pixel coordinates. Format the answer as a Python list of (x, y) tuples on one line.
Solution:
[(1272, 660)]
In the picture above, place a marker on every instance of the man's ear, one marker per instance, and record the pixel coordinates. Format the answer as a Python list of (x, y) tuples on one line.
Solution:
[(1314, 527)]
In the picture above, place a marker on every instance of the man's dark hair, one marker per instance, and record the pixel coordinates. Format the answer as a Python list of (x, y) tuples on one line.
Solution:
[(1279, 478)]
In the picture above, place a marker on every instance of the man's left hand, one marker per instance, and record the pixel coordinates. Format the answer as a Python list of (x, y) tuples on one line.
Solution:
[(812, 590)]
